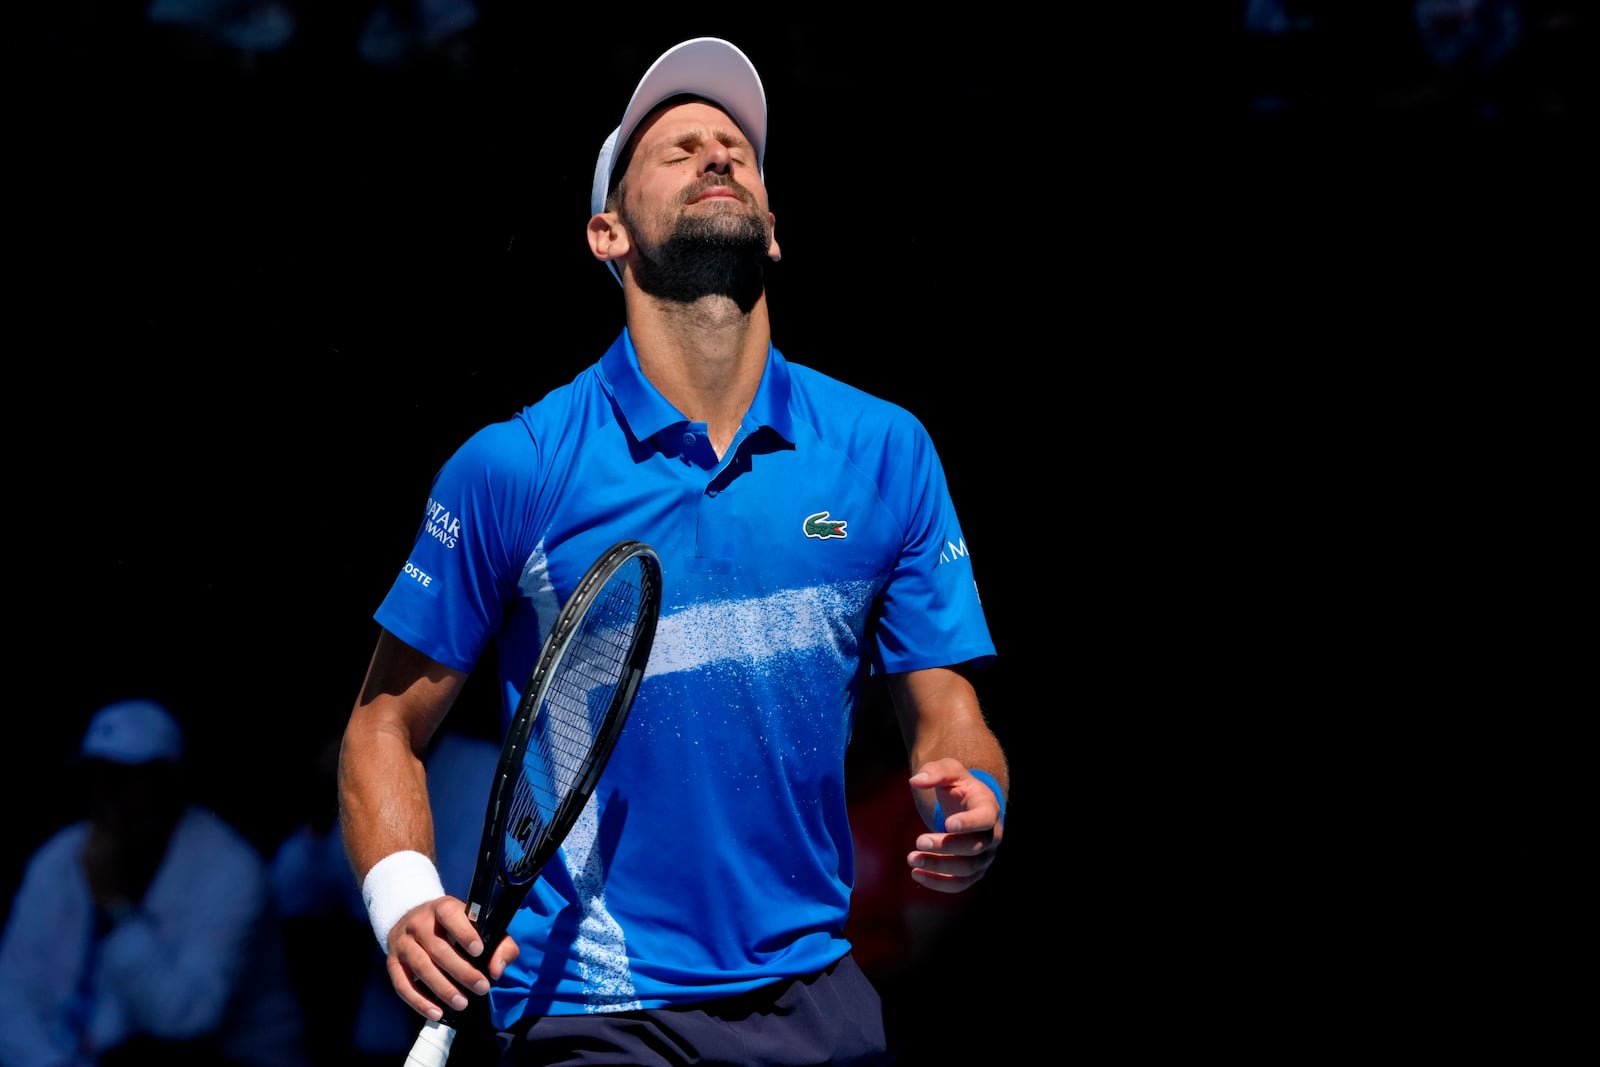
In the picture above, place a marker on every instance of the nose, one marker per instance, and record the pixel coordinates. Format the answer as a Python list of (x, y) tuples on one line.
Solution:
[(718, 161)]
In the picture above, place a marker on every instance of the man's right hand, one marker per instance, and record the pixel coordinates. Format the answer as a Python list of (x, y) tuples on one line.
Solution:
[(435, 953)]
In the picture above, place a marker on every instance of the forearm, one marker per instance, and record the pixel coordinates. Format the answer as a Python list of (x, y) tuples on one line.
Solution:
[(383, 791), (940, 718), (384, 812), (383, 785), (974, 745)]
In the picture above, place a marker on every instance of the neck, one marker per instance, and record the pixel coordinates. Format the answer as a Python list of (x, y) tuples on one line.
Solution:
[(706, 357)]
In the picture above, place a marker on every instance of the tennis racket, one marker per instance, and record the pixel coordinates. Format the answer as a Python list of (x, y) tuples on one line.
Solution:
[(568, 721)]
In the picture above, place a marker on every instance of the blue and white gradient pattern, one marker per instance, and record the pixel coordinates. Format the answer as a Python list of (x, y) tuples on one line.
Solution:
[(715, 853)]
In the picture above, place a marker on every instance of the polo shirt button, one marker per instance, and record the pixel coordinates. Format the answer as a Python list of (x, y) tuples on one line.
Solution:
[(688, 439)]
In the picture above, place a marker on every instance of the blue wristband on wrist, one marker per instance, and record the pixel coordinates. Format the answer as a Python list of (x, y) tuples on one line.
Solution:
[(994, 787)]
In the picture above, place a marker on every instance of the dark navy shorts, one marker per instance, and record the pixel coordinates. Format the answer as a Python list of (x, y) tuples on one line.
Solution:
[(832, 1019)]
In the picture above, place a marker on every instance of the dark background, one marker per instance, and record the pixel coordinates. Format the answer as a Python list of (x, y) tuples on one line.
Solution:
[(268, 296), (1152, 287)]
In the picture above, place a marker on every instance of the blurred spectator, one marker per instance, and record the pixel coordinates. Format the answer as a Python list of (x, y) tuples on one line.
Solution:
[(1283, 63), (402, 33), (244, 29), (397, 35), (1481, 61), (331, 952), (1470, 36), (352, 1012), (145, 931)]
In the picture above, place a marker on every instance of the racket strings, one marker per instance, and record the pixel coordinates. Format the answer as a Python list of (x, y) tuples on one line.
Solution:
[(578, 699)]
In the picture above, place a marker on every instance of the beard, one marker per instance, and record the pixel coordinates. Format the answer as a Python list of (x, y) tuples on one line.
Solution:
[(723, 254)]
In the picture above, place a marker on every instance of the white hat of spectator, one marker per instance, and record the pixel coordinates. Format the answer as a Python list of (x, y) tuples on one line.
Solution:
[(133, 732)]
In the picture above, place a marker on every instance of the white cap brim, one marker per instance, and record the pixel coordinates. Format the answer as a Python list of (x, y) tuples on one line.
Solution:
[(705, 66)]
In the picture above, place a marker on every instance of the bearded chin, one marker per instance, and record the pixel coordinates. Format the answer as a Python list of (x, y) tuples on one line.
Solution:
[(707, 257)]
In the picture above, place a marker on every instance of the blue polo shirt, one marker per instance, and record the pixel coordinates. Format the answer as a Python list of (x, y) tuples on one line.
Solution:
[(715, 854)]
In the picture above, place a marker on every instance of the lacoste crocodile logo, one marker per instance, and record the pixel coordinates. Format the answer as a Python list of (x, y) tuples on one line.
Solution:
[(821, 527)]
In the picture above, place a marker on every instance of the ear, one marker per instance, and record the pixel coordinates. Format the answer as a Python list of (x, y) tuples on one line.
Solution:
[(608, 238), (773, 252)]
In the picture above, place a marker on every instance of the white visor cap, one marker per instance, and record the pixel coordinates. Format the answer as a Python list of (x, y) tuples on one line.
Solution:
[(705, 66)]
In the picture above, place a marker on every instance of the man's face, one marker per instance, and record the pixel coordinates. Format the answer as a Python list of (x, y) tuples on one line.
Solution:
[(135, 804), (695, 207)]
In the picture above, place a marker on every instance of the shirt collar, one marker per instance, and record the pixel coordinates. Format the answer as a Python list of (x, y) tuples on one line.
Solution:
[(647, 412)]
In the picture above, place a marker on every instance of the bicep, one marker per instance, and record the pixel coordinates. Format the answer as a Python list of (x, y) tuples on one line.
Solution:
[(405, 693)]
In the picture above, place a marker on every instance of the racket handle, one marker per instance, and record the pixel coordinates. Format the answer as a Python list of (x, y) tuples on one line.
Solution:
[(432, 1046)]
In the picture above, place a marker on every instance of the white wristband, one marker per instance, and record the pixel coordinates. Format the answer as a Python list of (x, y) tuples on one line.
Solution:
[(396, 884)]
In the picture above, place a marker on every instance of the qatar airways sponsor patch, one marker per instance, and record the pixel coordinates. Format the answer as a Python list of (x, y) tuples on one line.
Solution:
[(441, 524)]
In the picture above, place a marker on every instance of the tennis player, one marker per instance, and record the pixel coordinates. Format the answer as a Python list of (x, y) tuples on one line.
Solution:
[(807, 537)]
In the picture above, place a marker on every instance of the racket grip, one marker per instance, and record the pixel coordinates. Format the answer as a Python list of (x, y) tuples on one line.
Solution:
[(432, 1046)]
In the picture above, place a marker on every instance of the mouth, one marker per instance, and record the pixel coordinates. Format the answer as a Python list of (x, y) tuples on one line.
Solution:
[(716, 192)]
